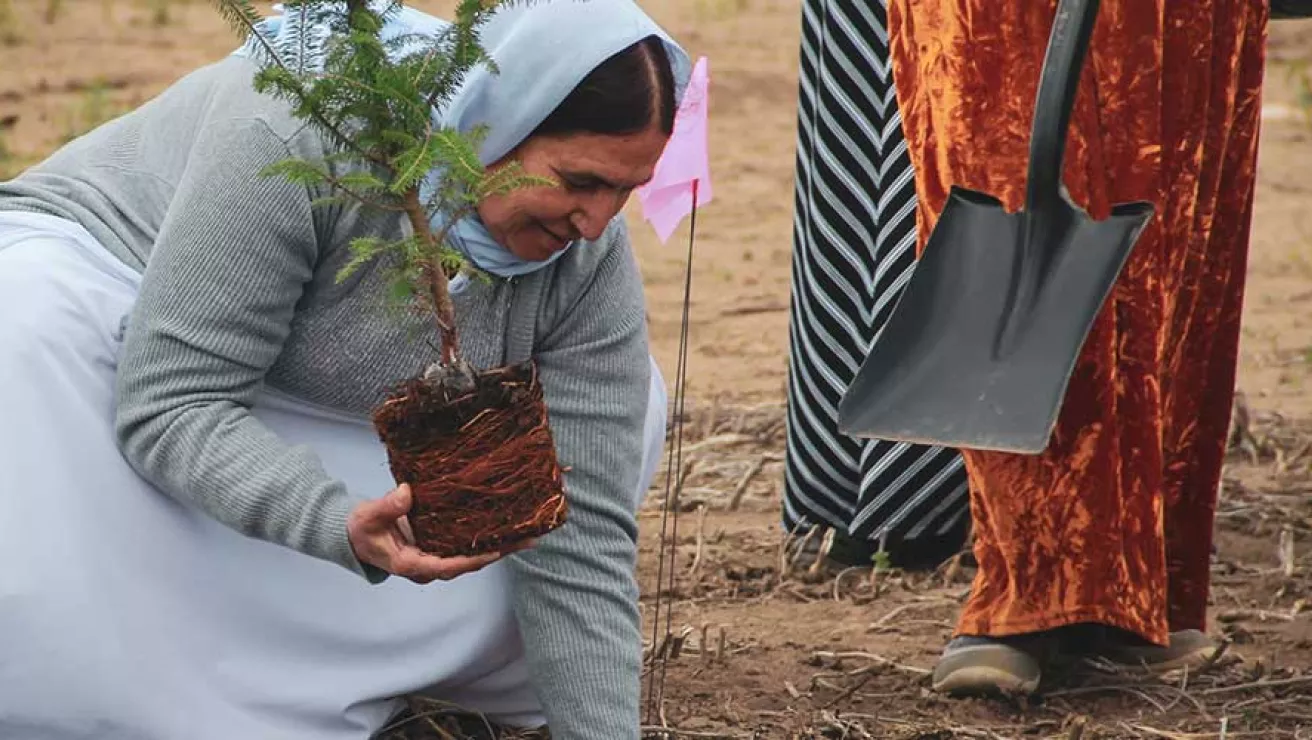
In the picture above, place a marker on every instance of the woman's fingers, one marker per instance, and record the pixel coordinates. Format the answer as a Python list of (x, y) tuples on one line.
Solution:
[(381, 535), (420, 567), (380, 514), (396, 503), (408, 534)]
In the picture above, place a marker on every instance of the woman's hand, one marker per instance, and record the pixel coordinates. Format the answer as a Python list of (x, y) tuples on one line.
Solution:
[(381, 536)]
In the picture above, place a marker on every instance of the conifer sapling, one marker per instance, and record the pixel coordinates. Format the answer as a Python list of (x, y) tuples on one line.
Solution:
[(475, 447)]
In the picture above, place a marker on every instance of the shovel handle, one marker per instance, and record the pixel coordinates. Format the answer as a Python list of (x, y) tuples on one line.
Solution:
[(1058, 82), (1068, 42)]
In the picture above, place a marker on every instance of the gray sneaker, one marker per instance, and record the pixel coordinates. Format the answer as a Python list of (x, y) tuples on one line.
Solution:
[(973, 665), (1187, 649)]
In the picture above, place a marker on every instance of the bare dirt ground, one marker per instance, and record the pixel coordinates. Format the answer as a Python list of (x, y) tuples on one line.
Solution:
[(769, 653)]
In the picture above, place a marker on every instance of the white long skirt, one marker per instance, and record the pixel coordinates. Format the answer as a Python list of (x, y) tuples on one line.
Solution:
[(125, 614)]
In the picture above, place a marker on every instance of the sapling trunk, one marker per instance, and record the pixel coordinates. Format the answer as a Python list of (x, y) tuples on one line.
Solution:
[(439, 286)]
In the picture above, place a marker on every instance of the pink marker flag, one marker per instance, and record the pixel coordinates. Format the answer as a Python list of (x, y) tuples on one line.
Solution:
[(668, 198)]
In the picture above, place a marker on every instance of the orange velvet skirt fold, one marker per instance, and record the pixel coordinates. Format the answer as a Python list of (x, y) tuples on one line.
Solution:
[(1113, 524)]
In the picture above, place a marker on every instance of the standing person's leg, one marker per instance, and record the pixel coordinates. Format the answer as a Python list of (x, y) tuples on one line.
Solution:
[(1200, 347), (913, 498), (829, 279), (854, 249), (1077, 535)]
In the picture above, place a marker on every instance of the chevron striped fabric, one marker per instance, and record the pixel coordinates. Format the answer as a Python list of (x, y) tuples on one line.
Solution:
[(854, 241)]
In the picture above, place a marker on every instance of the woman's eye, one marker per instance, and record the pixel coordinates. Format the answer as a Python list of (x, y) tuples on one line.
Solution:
[(580, 185)]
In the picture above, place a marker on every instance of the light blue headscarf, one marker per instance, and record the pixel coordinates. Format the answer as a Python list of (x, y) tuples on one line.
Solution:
[(542, 49)]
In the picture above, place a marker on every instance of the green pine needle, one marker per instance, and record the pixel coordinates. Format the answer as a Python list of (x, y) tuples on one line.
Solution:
[(240, 15), (375, 102)]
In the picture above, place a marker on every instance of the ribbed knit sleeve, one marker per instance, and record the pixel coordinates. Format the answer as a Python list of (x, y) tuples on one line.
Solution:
[(231, 260), (576, 592)]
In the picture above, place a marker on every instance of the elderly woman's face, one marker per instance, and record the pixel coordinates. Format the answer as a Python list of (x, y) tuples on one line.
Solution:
[(595, 173)]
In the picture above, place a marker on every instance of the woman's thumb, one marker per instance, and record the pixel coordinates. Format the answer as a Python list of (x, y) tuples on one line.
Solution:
[(398, 501)]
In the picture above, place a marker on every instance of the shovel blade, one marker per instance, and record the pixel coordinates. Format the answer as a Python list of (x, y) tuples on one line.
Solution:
[(934, 374)]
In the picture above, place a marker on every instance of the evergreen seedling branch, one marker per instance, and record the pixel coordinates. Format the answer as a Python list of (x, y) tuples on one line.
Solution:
[(377, 101)]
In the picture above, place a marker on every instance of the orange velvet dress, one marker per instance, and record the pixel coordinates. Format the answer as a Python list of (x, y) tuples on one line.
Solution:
[(1113, 524)]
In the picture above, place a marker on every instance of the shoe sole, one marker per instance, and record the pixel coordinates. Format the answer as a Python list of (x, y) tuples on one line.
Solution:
[(983, 681), (1192, 659), (986, 670)]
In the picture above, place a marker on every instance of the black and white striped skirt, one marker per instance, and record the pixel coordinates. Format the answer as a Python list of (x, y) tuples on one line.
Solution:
[(854, 238)]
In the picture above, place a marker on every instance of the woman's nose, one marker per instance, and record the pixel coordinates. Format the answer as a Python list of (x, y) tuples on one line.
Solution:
[(595, 212)]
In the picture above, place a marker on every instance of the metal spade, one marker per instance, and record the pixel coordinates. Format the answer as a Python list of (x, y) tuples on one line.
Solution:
[(980, 348)]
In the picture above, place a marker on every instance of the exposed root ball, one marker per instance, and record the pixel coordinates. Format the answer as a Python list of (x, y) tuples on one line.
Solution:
[(481, 464)]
